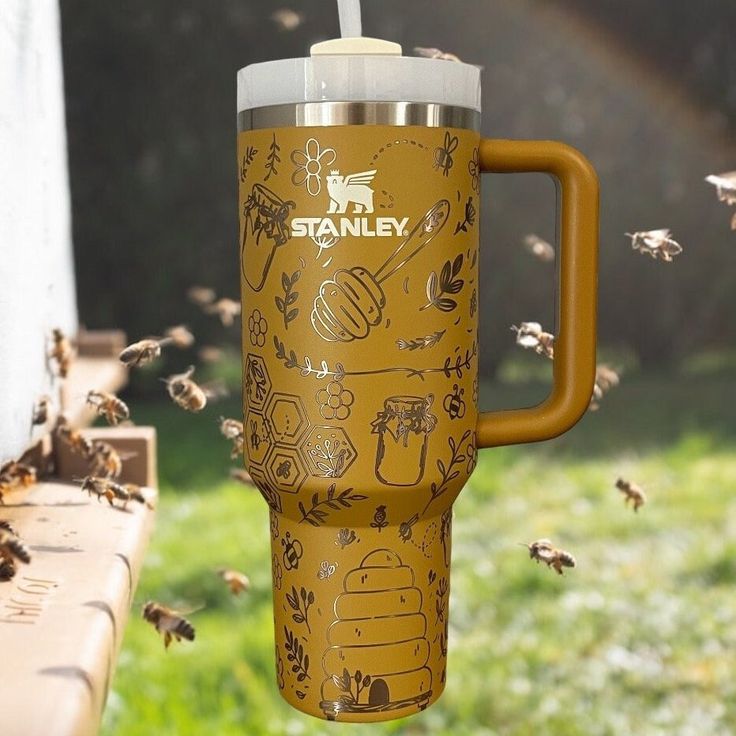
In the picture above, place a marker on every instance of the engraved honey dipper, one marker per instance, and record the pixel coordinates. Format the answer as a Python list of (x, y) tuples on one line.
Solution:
[(352, 301)]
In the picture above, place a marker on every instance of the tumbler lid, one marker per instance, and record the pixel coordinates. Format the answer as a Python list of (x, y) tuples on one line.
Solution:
[(355, 68)]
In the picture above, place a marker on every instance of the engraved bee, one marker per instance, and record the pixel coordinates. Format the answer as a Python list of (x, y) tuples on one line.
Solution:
[(109, 406), (544, 551), (12, 551), (345, 537), (61, 352), (236, 581), (284, 470), (185, 392), (232, 429), (326, 569), (443, 154), (632, 492), (454, 404), (293, 552), (255, 439), (168, 622), (656, 243), (405, 528), (74, 439)]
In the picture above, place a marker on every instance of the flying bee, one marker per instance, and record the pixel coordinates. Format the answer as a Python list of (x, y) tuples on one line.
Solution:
[(287, 19), (539, 248), (74, 439), (201, 295), (136, 494), (443, 154), (405, 528), (236, 581), (12, 548), (242, 476), (725, 185), (531, 335), (226, 309), (185, 392), (141, 352), (109, 406), (233, 430), (168, 622), (105, 460), (605, 379), (656, 243), (179, 336), (18, 474), (41, 410), (544, 551), (632, 492), (61, 352), (105, 488), (430, 53), (210, 354)]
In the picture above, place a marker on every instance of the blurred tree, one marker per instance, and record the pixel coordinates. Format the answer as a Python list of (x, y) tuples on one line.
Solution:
[(151, 117)]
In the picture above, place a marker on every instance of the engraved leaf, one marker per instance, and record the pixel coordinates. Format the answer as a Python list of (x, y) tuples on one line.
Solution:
[(432, 286)]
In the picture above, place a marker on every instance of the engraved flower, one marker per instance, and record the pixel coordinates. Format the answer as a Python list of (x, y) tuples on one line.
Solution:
[(277, 571), (335, 401), (471, 452), (309, 164), (474, 170), (257, 327)]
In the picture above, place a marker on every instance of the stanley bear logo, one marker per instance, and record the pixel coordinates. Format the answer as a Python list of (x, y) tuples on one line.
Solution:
[(353, 188)]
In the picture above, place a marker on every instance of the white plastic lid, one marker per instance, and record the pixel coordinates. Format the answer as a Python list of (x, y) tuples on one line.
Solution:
[(355, 68)]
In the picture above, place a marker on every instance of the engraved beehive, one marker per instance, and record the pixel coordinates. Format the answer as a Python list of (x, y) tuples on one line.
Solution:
[(379, 631)]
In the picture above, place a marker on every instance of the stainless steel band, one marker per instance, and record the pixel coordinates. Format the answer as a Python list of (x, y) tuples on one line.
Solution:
[(322, 114)]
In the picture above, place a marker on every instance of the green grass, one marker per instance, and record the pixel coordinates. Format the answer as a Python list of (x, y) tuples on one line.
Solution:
[(639, 639)]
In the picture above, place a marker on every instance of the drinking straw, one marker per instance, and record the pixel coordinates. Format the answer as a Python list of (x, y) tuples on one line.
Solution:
[(350, 24)]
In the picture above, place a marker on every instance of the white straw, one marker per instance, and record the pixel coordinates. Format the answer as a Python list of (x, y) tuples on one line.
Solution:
[(350, 24)]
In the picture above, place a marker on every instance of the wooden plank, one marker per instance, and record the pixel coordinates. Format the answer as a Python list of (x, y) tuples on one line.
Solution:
[(62, 617), (137, 445)]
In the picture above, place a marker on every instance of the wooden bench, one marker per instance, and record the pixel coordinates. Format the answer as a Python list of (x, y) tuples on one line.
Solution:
[(63, 615)]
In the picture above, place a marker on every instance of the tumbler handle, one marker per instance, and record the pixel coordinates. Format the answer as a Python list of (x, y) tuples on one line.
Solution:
[(574, 346)]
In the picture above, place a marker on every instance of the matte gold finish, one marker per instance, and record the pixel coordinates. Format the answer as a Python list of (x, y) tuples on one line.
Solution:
[(359, 263), (575, 338)]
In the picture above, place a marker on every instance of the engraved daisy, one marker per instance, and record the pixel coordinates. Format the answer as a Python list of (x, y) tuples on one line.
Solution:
[(309, 163), (474, 170)]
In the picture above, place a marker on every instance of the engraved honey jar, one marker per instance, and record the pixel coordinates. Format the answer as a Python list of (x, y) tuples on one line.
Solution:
[(359, 203)]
